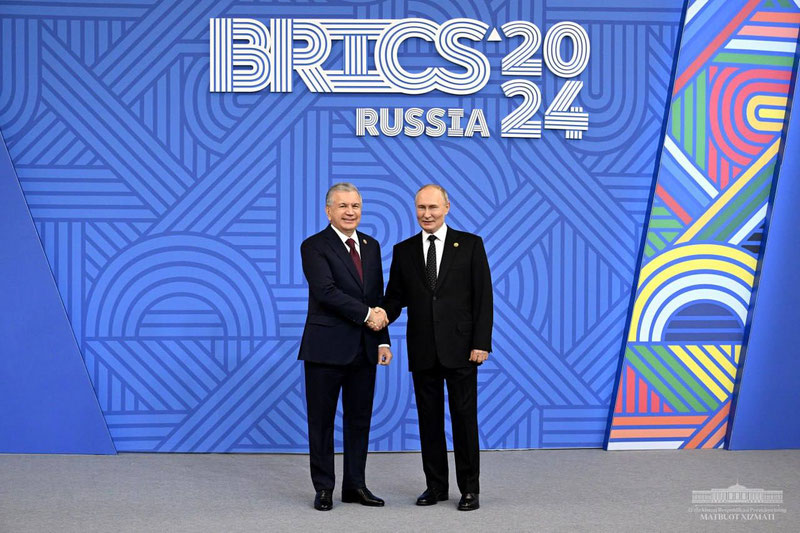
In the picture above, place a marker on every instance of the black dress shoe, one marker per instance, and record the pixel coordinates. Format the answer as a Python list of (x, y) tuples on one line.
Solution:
[(324, 500), (432, 497), (469, 502), (362, 496)]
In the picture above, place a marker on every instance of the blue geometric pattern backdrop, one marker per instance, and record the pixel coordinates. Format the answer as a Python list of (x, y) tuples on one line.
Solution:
[(172, 216)]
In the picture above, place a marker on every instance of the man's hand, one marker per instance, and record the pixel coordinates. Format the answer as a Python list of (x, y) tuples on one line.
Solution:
[(478, 356), (377, 319), (384, 355)]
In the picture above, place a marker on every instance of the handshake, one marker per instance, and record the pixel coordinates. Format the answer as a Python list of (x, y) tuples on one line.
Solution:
[(377, 319)]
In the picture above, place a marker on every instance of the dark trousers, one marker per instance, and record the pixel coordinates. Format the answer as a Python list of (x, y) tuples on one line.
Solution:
[(357, 383), (462, 391)]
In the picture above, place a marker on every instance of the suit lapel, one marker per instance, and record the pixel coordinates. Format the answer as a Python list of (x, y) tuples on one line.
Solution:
[(340, 250), (449, 251), (365, 260)]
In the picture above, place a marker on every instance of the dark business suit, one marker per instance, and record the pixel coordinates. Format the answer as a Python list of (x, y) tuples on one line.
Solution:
[(340, 352), (444, 325)]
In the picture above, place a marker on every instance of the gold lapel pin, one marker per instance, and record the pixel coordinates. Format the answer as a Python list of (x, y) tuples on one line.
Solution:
[(455, 245), (365, 241)]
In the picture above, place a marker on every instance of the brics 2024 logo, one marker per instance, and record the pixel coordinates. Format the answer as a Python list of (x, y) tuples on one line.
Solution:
[(248, 56)]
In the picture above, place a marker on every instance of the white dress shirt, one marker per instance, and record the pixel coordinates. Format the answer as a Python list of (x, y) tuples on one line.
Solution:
[(440, 234), (345, 237)]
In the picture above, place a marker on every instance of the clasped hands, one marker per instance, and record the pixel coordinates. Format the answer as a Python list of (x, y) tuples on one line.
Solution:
[(377, 319)]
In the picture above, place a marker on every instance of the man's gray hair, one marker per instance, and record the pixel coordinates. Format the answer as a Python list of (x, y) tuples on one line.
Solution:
[(343, 187), (438, 188)]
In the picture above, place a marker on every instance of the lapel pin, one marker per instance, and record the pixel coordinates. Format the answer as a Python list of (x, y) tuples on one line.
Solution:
[(365, 241), (455, 245)]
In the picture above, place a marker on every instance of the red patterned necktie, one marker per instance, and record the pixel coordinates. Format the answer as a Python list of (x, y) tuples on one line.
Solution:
[(355, 257)]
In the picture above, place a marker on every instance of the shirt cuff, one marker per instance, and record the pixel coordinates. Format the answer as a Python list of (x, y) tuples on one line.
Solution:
[(369, 312), (384, 346)]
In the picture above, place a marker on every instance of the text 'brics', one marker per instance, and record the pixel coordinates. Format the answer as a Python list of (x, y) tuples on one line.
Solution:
[(247, 55)]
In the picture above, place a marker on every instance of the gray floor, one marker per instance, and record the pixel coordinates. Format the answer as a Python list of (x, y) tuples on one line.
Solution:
[(541, 490)]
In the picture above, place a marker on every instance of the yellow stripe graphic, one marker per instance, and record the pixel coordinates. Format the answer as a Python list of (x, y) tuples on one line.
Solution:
[(728, 252), (730, 192), (766, 113), (711, 367), (723, 361), (699, 373)]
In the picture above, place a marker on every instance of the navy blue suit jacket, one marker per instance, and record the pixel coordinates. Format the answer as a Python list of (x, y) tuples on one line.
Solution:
[(338, 300)]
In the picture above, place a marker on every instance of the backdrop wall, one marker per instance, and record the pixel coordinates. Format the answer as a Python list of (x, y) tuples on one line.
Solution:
[(47, 404), (172, 216), (767, 398)]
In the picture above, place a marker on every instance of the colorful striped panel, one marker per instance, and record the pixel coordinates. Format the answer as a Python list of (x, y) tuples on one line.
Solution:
[(705, 229)]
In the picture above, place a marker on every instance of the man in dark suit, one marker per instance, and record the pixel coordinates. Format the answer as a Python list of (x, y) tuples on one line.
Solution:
[(339, 350), (442, 276)]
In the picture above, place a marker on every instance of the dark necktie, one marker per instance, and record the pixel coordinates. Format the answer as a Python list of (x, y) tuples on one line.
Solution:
[(430, 262), (355, 257)]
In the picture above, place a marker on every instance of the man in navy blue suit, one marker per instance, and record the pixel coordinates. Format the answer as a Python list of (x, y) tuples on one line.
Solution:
[(340, 348)]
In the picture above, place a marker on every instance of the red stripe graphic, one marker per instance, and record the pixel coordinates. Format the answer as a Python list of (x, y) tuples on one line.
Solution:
[(630, 390), (680, 420), (672, 204), (709, 426), (771, 16), (642, 396), (769, 31), (713, 158)]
